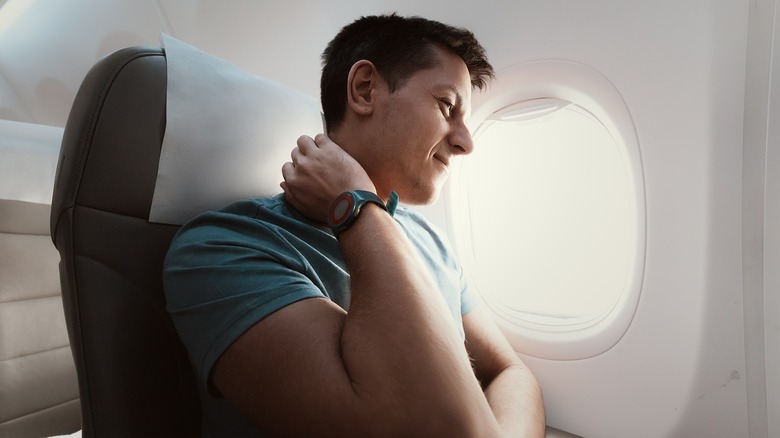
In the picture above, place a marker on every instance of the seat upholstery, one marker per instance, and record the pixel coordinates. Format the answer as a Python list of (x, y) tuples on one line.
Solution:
[(38, 384), (134, 375), (38, 387)]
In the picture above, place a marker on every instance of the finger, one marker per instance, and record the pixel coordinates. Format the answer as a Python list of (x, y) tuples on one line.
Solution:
[(321, 139), (306, 144), (296, 155), (288, 194), (287, 170)]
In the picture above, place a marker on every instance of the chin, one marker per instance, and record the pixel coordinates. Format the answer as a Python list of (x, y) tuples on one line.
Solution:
[(421, 197)]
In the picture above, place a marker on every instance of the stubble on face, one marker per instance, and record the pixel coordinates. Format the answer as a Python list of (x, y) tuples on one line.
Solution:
[(413, 133)]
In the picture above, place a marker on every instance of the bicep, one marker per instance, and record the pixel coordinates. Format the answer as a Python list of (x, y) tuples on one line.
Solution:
[(286, 374)]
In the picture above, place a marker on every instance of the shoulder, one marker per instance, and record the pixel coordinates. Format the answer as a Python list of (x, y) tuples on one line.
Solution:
[(244, 210), (423, 232), (246, 220), (247, 233), (244, 232), (249, 210), (412, 221)]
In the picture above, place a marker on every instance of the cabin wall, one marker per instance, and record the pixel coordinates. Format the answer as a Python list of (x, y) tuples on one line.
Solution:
[(46, 49), (771, 295), (701, 80), (680, 368), (761, 188)]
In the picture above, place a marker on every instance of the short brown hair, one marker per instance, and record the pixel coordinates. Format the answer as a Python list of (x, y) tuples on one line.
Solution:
[(398, 47)]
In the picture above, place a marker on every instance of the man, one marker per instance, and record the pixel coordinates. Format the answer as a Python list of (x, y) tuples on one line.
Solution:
[(312, 317)]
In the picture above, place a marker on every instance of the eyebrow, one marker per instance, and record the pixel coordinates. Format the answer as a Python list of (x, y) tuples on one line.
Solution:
[(451, 88)]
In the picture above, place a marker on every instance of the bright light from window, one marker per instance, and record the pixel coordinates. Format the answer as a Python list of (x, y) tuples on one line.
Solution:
[(548, 213), (552, 216)]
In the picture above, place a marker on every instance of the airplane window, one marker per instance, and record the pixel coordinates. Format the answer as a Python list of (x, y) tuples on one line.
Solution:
[(556, 209), (551, 223)]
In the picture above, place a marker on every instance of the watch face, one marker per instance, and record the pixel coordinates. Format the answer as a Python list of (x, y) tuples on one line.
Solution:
[(341, 209)]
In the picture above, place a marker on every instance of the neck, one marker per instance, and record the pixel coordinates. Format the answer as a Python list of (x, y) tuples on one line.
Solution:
[(350, 138)]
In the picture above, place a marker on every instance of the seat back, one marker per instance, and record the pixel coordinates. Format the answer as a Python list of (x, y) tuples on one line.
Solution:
[(134, 375), (38, 385)]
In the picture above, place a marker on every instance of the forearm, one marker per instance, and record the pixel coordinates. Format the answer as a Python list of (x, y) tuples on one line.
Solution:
[(399, 342), (515, 398)]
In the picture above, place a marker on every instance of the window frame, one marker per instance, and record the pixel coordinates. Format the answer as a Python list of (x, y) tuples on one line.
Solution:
[(554, 80)]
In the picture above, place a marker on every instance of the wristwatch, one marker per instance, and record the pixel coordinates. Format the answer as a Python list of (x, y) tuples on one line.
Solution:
[(345, 209)]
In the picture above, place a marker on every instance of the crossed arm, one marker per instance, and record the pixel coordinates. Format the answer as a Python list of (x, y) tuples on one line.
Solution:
[(395, 364)]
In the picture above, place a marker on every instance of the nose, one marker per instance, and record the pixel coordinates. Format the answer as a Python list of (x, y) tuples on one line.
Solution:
[(460, 140)]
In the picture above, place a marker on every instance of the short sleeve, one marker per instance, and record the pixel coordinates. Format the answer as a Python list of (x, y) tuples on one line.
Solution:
[(223, 273), (468, 299), (436, 251)]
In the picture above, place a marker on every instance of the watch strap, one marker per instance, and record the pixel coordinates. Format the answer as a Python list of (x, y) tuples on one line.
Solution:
[(345, 209)]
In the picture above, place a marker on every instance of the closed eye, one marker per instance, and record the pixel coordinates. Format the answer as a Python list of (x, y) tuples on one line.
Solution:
[(448, 107)]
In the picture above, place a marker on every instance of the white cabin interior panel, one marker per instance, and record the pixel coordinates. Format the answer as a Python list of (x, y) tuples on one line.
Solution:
[(700, 81)]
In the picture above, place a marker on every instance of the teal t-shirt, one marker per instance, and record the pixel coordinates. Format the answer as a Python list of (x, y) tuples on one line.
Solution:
[(226, 270)]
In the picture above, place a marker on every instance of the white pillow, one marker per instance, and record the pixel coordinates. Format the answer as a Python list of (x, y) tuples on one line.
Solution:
[(227, 134)]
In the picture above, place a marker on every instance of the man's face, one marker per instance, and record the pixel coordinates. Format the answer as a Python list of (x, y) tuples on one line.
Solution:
[(421, 129)]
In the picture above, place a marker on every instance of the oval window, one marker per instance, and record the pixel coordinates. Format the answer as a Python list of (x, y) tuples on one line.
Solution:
[(549, 212)]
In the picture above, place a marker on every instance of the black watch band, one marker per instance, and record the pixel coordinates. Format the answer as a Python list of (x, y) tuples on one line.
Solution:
[(345, 209)]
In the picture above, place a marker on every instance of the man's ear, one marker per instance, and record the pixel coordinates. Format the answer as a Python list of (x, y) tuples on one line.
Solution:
[(362, 83)]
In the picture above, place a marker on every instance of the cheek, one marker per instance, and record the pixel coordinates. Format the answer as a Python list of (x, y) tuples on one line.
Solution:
[(409, 134)]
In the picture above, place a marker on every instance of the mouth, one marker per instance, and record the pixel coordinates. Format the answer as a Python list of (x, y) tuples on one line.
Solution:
[(443, 160)]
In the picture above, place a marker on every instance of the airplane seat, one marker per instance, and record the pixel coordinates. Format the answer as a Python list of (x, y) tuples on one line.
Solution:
[(38, 385), (134, 375)]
